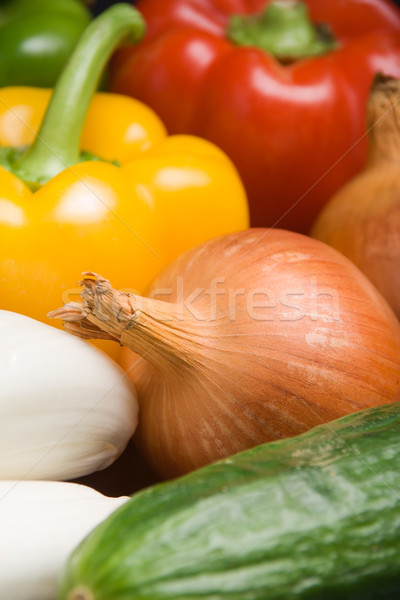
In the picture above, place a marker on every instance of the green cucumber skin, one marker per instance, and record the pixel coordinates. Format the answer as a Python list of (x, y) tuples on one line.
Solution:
[(314, 517)]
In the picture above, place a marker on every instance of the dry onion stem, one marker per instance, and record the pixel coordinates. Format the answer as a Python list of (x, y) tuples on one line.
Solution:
[(258, 335), (363, 219)]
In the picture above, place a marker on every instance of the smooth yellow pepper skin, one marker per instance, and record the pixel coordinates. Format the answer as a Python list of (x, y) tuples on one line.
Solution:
[(126, 221)]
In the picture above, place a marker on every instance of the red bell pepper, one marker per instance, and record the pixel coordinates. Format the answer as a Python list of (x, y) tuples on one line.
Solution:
[(283, 100)]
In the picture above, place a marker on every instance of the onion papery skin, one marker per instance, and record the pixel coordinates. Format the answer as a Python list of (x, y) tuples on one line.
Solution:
[(212, 387), (362, 220), (364, 225), (246, 339)]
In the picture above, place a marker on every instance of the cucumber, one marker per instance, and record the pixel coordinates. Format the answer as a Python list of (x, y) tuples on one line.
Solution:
[(315, 517)]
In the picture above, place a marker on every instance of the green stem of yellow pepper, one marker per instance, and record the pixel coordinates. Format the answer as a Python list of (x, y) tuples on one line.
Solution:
[(57, 144)]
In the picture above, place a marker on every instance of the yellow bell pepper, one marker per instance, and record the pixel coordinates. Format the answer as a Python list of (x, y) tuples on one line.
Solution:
[(62, 213)]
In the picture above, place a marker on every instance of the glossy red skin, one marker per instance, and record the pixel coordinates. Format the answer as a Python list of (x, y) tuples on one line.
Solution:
[(295, 132)]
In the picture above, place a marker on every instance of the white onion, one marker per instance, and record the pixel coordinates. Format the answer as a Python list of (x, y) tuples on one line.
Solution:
[(66, 409), (41, 522)]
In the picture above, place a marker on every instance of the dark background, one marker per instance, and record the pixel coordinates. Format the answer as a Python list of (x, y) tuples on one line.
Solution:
[(99, 5)]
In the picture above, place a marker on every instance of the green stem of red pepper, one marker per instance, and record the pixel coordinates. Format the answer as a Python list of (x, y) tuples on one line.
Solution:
[(283, 29), (57, 144)]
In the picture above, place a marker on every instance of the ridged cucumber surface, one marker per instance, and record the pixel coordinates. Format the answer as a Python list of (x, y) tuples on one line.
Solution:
[(314, 517)]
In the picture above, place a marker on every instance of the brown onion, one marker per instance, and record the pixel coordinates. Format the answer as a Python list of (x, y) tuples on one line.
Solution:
[(363, 219), (247, 338)]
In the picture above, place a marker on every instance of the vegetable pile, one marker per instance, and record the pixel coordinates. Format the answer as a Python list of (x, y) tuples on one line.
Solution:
[(256, 370), (60, 210)]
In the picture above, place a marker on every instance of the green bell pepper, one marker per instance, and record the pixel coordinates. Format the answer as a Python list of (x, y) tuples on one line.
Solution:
[(37, 37)]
